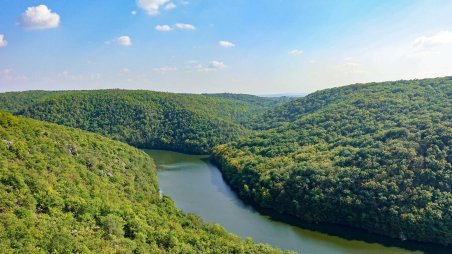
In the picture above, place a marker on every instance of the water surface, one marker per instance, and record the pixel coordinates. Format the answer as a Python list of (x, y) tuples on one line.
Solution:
[(196, 186)]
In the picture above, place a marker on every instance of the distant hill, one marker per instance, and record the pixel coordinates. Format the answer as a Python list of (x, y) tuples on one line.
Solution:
[(64, 190), (15, 101), (288, 95), (265, 101), (183, 122), (376, 156)]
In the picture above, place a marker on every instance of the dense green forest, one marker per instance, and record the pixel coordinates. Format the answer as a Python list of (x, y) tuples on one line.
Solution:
[(64, 190), (16, 101), (376, 156), (183, 122)]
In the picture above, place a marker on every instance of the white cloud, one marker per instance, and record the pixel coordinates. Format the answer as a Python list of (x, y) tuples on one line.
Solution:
[(163, 28), (212, 66), (181, 26), (226, 44), (295, 52), (216, 65), (39, 17), (124, 40), (170, 6), (152, 7), (441, 38), (185, 26), (3, 41), (133, 13)]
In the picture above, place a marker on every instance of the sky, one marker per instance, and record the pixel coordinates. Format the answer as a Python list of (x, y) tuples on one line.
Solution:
[(238, 46)]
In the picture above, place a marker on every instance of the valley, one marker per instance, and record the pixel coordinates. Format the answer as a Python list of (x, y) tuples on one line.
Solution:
[(226, 127), (372, 156), (196, 186)]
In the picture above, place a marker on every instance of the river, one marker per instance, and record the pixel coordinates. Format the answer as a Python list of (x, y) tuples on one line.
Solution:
[(196, 186)]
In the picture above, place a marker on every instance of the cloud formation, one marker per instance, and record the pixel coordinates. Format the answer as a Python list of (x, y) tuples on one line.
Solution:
[(198, 67), (170, 6), (163, 28), (226, 44), (3, 41), (181, 26), (295, 52), (39, 17), (185, 26), (124, 40), (216, 65), (441, 38), (152, 7)]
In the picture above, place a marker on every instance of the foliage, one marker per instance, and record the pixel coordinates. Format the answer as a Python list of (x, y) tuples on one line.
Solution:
[(64, 190), (260, 105), (16, 101), (376, 156), (183, 122)]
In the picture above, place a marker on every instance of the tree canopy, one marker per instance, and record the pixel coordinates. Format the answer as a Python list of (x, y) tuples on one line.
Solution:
[(375, 156), (64, 190), (182, 122)]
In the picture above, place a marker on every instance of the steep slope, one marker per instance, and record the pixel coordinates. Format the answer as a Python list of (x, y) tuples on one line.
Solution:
[(375, 156), (182, 122), (64, 190)]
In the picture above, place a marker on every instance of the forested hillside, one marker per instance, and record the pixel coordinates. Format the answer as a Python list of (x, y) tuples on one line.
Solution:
[(376, 156), (263, 102), (64, 190), (183, 122), (15, 101), (261, 105)]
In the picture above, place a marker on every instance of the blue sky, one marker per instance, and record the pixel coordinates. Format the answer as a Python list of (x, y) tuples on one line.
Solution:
[(258, 47)]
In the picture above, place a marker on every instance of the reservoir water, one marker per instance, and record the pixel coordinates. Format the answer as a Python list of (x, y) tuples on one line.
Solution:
[(196, 186)]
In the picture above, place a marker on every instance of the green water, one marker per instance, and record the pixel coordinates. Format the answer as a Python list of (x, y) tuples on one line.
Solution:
[(196, 186)]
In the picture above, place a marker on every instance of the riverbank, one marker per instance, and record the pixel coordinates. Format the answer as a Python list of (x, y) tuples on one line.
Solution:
[(198, 187)]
